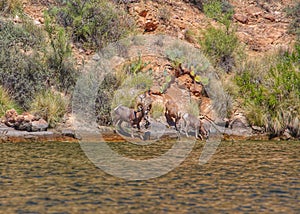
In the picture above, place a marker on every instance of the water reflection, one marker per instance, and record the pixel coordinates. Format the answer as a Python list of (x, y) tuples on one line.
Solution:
[(240, 177)]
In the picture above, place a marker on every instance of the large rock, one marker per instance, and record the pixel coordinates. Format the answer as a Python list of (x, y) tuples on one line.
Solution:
[(241, 18), (39, 125)]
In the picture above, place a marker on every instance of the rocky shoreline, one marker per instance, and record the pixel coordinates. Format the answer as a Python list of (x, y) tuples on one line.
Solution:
[(108, 134)]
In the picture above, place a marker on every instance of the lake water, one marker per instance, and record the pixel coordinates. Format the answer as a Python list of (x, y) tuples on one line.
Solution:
[(241, 177)]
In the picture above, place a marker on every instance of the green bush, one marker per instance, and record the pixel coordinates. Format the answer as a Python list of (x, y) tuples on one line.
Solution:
[(60, 58), (6, 102), (220, 46), (220, 11), (22, 71), (104, 99), (10, 6), (94, 23), (271, 94), (50, 106)]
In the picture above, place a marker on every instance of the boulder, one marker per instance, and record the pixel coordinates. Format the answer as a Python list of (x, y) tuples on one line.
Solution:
[(241, 18), (24, 122), (69, 133), (39, 125), (269, 17), (150, 26)]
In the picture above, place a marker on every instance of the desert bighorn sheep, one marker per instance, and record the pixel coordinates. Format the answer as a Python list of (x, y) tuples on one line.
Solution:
[(191, 121), (129, 115), (172, 113)]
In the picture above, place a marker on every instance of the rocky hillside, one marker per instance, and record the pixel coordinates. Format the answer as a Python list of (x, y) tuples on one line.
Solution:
[(260, 26)]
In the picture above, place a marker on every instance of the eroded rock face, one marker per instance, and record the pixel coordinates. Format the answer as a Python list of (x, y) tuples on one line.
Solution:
[(24, 122)]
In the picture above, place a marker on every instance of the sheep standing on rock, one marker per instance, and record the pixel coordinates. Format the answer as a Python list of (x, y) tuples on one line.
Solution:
[(172, 113), (191, 121), (129, 115)]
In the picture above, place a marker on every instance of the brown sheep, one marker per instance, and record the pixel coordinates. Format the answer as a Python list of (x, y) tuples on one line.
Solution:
[(172, 114), (129, 115)]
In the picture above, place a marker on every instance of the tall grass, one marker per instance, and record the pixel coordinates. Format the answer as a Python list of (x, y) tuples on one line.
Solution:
[(6, 102), (270, 91), (50, 106)]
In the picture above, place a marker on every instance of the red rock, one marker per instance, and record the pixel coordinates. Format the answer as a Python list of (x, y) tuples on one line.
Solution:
[(150, 26), (269, 17), (143, 13), (28, 117), (241, 18), (254, 11)]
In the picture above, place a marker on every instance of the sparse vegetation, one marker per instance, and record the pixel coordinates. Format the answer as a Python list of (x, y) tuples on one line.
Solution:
[(220, 46), (50, 106), (135, 66), (221, 11), (131, 88), (6, 102)]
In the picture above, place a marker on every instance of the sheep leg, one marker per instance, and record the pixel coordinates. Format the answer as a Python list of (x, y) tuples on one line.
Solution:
[(197, 133), (186, 129), (203, 132)]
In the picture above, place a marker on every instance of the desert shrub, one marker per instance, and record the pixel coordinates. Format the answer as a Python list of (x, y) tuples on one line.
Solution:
[(131, 88), (219, 10), (6, 102), (135, 66), (294, 12), (157, 110), (104, 99), (8, 7), (50, 106), (220, 46), (271, 94), (22, 71), (60, 59), (181, 55), (93, 23)]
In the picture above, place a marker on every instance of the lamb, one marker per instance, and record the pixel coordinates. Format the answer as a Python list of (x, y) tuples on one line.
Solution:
[(196, 123)]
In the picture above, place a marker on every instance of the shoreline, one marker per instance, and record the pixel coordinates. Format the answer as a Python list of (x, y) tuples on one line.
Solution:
[(10, 135)]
